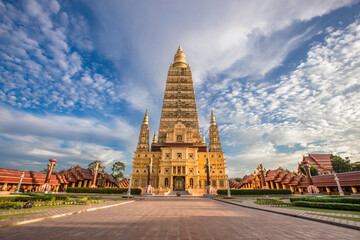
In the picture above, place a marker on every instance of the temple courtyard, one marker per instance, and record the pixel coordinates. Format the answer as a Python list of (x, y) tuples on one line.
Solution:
[(177, 218)]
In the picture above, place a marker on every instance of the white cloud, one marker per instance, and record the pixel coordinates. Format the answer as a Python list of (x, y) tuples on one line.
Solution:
[(314, 108)]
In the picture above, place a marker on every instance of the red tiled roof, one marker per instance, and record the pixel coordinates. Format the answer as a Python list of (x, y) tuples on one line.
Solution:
[(321, 161), (13, 176)]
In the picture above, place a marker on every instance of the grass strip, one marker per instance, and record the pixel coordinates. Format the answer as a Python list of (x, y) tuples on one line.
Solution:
[(345, 218), (18, 215), (41, 207), (324, 210)]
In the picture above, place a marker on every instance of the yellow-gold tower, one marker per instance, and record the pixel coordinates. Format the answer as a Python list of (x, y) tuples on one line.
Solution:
[(179, 153)]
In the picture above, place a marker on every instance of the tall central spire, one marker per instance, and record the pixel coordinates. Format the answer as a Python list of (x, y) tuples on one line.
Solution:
[(180, 58), (179, 99)]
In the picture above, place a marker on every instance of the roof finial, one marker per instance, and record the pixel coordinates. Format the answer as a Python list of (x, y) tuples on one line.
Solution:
[(146, 118), (203, 138), (180, 59), (212, 121)]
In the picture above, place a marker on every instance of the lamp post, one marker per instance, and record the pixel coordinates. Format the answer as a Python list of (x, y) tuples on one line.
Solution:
[(129, 190), (338, 185), (228, 188), (19, 184), (46, 186)]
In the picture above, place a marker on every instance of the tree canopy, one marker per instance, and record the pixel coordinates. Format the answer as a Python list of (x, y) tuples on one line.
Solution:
[(313, 170), (339, 164), (118, 168), (101, 167), (238, 179)]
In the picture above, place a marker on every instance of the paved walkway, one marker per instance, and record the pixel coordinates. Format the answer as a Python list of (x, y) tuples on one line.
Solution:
[(177, 218), (49, 212), (316, 216)]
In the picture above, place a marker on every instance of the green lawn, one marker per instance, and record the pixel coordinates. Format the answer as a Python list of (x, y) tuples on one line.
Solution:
[(36, 208), (18, 215), (324, 210), (346, 218)]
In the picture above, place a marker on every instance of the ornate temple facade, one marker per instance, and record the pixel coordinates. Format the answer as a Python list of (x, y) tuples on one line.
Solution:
[(178, 154)]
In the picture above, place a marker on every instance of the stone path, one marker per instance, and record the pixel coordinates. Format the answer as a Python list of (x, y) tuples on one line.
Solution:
[(49, 212), (177, 218), (317, 216)]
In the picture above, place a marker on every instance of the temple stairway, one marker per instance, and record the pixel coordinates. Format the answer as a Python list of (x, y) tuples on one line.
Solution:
[(183, 193)]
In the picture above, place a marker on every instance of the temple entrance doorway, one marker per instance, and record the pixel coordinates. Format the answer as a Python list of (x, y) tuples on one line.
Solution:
[(179, 183)]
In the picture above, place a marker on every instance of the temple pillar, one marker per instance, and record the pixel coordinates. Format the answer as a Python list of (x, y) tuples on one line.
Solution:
[(328, 190), (354, 190), (79, 183), (272, 184), (300, 190), (171, 183), (284, 186), (267, 185), (85, 183), (277, 185), (291, 189), (72, 184), (90, 183)]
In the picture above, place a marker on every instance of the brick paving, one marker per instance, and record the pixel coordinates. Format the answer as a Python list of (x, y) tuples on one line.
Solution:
[(318, 216), (177, 218), (49, 212)]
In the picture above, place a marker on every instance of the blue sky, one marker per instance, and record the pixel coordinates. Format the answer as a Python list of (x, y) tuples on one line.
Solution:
[(77, 76)]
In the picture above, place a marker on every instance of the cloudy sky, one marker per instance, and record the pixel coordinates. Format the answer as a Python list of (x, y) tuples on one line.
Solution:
[(77, 76)]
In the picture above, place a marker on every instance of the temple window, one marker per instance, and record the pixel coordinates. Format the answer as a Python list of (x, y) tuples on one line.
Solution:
[(179, 155), (137, 171), (179, 138), (191, 182), (167, 170), (166, 182), (220, 171), (199, 183), (144, 171), (183, 169), (179, 170), (214, 183), (143, 183), (221, 183), (219, 156), (174, 170), (136, 183), (191, 155), (145, 155), (167, 155)]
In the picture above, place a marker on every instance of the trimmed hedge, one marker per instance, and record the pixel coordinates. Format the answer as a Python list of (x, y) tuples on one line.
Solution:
[(327, 205), (134, 191), (256, 192), (25, 199), (327, 199)]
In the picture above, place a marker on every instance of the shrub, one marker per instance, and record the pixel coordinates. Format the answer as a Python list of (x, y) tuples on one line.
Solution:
[(256, 192), (326, 205), (8, 205), (327, 199), (134, 191)]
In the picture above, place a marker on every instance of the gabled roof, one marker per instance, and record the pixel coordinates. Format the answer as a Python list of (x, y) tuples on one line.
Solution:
[(321, 161)]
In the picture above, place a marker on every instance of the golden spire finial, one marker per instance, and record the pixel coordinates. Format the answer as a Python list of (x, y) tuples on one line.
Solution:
[(203, 138), (180, 59), (146, 118), (212, 121)]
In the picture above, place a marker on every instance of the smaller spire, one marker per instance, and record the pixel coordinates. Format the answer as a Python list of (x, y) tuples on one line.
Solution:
[(212, 121), (146, 118), (155, 138), (203, 138)]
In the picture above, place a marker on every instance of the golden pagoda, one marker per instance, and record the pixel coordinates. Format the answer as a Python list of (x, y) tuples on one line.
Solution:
[(178, 155)]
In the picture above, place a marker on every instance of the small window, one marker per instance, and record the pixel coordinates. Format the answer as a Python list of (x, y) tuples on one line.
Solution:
[(213, 171), (166, 170), (137, 171), (144, 171), (199, 183), (179, 138), (221, 183), (136, 183), (166, 182), (179, 155), (167, 155), (138, 155), (191, 170), (219, 156), (191, 182), (212, 156), (191, 155), (220, 171), (145, 155), (143, 183), (214, 183)]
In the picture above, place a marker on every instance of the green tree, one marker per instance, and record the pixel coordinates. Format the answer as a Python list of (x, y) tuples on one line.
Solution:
[(313, 170), (355, 166), (101, 167), (118, 168), (238, 179), (339, 164)]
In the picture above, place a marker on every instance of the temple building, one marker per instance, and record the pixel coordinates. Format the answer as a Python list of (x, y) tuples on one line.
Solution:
[(179, 153)]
